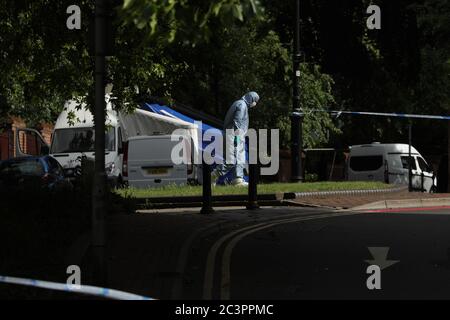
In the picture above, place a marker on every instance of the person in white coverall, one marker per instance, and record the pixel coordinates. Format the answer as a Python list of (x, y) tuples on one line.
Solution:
[(236, 121)]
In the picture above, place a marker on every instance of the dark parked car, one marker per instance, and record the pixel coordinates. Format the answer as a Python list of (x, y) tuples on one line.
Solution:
[(26, 172)]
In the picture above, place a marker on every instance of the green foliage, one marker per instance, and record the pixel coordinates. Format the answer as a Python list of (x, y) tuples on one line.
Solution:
[(311, 177), (250, 57), (434, 83), (316, 94), (141, 66), (184, 19), (42, 64)]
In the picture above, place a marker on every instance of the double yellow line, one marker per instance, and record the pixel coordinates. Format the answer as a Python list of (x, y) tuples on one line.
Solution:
[(233, 238)]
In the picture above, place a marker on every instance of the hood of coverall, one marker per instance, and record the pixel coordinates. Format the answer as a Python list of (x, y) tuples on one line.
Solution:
[(250, 97)]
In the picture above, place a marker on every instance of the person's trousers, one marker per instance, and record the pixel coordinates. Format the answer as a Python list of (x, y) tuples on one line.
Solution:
[(234, 157)]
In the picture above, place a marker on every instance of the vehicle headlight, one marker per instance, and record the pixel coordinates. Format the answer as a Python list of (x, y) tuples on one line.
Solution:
[(110, 168)]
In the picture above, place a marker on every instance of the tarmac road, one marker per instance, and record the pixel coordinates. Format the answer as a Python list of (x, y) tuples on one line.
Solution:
[(323, 256), (276, 253)]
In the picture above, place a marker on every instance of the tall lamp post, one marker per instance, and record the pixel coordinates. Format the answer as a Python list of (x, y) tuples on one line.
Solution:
[(99, 188), (296, 116)]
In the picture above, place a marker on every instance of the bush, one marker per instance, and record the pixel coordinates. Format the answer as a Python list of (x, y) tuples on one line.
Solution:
[(311, 177)]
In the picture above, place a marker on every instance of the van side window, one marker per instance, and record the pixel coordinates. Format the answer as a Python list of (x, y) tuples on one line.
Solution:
[(366, 163), (405, 163), (110, 139)]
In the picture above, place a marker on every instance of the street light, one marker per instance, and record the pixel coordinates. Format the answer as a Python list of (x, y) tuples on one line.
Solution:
[(102, 48), (297, 115)]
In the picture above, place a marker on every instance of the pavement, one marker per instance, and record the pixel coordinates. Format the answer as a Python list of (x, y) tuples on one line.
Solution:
[(372, 200), (395, 197)]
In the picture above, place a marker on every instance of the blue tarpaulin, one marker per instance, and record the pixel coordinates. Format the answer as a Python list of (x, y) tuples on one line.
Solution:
[(166, 111)]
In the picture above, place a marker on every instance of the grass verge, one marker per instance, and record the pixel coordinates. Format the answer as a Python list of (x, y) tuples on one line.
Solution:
[(171, 191)]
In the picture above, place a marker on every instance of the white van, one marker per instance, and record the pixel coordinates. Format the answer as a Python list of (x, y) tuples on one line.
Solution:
[(144, 168), (73, 136), (389, 163)]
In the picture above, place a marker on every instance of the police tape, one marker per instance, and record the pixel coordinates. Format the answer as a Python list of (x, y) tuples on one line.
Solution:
[(80, 289), (380, 114)]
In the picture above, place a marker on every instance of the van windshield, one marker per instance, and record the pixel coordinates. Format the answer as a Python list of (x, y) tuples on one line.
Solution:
[(424, 166), (79, 140)]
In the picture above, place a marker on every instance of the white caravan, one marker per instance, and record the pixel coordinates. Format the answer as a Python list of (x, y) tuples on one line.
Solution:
[(389, 163), (71, 141)]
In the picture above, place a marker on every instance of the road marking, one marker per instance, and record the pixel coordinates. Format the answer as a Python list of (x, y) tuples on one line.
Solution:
[(177, 288), (182, 260), (211, 259), (379, 255), (226, 259)]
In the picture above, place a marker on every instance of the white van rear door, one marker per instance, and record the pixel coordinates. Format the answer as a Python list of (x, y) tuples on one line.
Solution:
[(150, 163)]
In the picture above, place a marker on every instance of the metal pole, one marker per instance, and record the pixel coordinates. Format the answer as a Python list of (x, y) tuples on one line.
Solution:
[(99, 188), (297, 116), (332, 166), (447, 187), (410, 186), (253, 187), (422, 176), (207, 193)]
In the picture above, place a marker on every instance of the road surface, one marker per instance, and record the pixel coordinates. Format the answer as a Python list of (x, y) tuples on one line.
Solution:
[(325, 255)]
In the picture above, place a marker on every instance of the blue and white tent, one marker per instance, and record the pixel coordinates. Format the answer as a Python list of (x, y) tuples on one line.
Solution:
[(169, 112)]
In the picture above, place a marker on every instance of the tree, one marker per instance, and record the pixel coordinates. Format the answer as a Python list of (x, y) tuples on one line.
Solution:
[(42, 64), (206, 54), (250, 56), (186, 20)]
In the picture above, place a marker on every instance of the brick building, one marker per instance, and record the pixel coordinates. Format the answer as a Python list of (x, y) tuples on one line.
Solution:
[(28, 142)]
